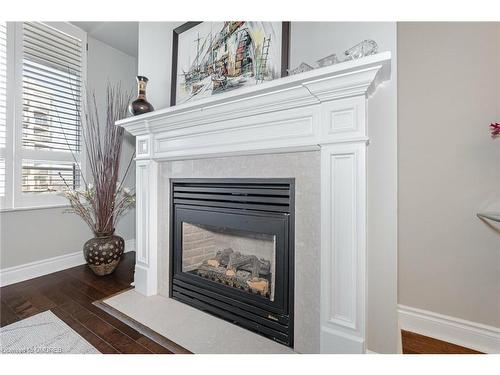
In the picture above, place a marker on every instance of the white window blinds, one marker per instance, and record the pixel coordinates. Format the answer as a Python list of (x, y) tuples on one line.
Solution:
[(51, 96), (3, 103), (42, 75)]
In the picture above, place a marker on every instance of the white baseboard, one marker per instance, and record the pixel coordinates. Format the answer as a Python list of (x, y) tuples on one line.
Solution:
[(38, 268), (447, 328), (130, 245)]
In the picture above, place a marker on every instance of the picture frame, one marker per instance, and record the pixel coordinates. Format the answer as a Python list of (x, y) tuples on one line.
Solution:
[(210, 58)]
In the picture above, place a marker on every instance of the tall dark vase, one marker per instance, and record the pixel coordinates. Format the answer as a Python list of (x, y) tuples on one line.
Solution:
[(140, 105)]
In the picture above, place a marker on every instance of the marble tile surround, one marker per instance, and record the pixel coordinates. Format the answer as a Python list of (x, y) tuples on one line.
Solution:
[(305, 168)]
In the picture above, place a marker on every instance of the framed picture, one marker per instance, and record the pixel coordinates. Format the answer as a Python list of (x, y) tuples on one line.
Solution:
[(214, 57)]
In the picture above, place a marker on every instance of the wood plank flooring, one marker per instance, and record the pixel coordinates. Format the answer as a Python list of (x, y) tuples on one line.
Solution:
[(413, 343), (70, 294)]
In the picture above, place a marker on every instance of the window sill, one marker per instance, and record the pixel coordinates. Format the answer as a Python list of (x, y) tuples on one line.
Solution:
[(31, 208)]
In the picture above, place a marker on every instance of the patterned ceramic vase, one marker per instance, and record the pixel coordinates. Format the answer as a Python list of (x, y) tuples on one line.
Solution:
[(103, 253)]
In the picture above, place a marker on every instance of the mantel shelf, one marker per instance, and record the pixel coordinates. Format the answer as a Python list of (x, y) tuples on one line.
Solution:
[(494, 216), (343, 80), (303, 112)]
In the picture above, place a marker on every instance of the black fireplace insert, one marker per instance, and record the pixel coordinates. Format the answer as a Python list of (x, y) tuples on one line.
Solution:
[(232, 251)]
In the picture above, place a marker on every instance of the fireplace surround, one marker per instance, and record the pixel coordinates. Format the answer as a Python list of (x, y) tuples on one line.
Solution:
[(232, 251), (322, 113)]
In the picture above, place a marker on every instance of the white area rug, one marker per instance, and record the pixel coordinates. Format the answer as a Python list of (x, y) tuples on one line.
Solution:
[(43, 333)]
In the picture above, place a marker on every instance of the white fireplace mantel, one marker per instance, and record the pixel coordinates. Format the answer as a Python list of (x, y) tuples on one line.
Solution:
[(324, 109)]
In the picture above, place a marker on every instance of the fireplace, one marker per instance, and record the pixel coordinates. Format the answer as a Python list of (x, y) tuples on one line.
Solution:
[(232, 251), (311, 126)]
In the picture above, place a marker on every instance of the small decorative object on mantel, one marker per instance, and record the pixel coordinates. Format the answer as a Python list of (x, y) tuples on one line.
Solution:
[(328, 60), (303, 67), (104, 201), (365, 48), (140, 105)]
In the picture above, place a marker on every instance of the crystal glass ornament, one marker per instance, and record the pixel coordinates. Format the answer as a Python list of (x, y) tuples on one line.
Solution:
[(328, 60), (365, 48), (303, 67)]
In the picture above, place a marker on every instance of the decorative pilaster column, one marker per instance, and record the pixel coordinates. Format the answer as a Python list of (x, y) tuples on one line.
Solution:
[(343, 211), (146, 267), (343, 248)]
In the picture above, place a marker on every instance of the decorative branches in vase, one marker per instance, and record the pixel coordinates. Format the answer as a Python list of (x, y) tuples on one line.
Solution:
[(102, 202)]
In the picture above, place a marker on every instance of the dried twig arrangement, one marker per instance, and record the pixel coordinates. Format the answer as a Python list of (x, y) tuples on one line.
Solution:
[(101, 203)]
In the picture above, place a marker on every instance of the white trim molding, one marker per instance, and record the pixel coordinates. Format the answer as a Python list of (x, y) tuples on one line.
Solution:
[(324, 109), (458, 331), (171, 133), (146, 267), (43, 267), (343, 248)]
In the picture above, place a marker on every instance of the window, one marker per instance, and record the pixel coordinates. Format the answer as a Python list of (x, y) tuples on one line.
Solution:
[(43, 96), (3, 106)]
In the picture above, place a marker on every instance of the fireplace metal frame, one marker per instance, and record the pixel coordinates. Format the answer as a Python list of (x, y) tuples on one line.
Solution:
[(272, 319)]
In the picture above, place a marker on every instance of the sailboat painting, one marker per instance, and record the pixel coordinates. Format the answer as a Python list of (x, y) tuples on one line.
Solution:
[(215, 57)]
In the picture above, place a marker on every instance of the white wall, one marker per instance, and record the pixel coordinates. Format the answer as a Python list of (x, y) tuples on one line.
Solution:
[(107, 64), (309, 42), (32, 235), (449, 92), (155, 60)]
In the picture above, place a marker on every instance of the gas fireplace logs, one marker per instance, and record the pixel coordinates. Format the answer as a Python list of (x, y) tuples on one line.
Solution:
[(246, 272)]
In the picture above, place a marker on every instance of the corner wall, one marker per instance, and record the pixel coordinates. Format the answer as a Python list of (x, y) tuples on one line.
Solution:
[(449, 260), (35, 235)]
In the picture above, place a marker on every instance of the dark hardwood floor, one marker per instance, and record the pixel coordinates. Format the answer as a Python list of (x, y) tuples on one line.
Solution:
[(70, 295), (413, 343)]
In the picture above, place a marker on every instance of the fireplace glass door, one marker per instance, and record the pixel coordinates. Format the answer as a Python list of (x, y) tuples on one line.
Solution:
[(236, 258)]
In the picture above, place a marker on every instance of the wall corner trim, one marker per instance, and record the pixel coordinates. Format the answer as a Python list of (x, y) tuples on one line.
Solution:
[(458, 331), (43, 267)]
